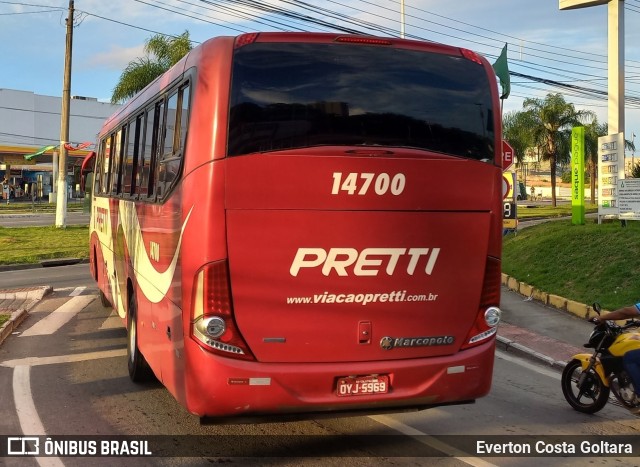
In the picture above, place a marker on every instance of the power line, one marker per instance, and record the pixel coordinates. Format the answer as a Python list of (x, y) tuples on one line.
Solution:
[(51, 113), (300, 15), (27, 12)]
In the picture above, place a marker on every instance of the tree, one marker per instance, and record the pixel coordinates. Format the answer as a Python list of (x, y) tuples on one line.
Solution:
[(162, 52), (516, 129), (552, 119)]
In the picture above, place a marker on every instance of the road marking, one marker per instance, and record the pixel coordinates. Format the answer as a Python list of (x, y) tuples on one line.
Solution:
[(113, 321), (77, 291), (443, 447), (58, 359), (59, 317), (430, 441), (30, 422)]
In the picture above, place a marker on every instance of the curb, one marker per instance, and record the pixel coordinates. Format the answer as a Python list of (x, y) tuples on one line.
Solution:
[(511, 346), (580, 310), (46, 263), (30, 297), (564, 304), (29, 293)]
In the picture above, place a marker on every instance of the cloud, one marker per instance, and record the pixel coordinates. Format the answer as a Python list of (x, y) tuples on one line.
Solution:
[(116, 58)]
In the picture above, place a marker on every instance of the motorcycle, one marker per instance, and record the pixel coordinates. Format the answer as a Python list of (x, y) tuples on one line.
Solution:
[(587, 379)]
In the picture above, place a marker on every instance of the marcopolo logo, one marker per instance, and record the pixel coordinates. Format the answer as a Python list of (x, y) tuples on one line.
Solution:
[(388, 343), (368, 262)]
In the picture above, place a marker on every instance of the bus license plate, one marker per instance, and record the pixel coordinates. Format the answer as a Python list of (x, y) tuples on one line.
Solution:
[(363, 385)]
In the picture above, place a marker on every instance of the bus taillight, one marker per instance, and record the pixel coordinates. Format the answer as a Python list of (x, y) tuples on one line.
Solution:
[(212, 323), (471, 55), (363, 40), (245, 39), (488, 317)]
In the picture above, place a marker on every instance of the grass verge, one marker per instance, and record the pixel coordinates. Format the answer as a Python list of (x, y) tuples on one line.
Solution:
[(24, 245), (585, 263), (4, 318)]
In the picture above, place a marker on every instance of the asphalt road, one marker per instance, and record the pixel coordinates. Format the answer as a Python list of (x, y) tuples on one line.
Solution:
[(41, 219), (72, 380)]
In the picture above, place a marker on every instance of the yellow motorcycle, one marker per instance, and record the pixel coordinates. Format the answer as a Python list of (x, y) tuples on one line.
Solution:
[(587, 379)]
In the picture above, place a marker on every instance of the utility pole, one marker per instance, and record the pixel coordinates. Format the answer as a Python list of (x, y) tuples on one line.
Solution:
[(61, 205), (402, 19)]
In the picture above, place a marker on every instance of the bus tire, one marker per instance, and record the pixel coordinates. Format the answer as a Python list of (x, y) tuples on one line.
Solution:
[(139, 370)]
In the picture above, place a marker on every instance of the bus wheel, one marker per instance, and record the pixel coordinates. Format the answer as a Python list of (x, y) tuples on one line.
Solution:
[(139, 370)]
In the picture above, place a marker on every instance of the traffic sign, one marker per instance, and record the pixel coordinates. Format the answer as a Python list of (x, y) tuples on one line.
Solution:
[(506, 187), (507, 155)]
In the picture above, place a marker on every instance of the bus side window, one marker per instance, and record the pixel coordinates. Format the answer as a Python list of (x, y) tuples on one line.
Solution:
[(170, 163), (166, 170), (131, 156), (106, 165), (98, 175), (155, 131), (116, 161), (184, 117), (144, 164)]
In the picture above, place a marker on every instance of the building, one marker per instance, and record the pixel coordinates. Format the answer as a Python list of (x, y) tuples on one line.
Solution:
[(31, 122)]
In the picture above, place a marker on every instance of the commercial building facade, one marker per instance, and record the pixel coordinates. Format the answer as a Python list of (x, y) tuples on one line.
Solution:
[(31, 123)]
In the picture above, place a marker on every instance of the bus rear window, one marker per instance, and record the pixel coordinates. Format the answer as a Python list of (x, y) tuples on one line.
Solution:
[(296, 95)]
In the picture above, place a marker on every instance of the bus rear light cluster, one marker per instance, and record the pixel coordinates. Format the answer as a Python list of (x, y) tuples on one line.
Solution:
[(471, 55), (363, 40), (486, 324), (246, 39), (212, 322)]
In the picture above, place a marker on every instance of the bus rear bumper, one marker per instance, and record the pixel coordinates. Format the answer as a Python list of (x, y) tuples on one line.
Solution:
[(226, 388)]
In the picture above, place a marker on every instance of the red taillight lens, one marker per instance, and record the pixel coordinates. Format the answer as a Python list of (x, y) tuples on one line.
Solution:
[(491, 284), (212, 323), (363, 40), (245, 39), (471, 55), (486, 323)]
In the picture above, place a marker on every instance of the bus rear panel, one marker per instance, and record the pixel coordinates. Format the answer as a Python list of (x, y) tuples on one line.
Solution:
[(339, 231)]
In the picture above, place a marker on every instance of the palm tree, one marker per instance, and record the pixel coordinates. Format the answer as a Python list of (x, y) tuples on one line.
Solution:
[(162, 52), (551, 120), (516, 129)]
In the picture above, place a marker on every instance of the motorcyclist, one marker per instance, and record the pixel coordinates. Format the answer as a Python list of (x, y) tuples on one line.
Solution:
[(631, 359)]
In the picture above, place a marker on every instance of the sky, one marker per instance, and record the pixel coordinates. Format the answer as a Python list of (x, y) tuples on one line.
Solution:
[(548, 49)]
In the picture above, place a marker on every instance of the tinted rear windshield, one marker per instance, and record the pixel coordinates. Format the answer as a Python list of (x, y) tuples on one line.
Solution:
[(296, 95)]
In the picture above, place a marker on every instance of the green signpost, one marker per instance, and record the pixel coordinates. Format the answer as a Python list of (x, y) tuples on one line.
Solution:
[(577, 176)]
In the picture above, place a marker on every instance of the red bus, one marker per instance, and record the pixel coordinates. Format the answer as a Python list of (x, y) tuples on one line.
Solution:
[(301, 223)]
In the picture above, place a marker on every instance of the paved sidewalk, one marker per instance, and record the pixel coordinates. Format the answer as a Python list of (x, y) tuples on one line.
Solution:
[(17, 303), (530, 344)]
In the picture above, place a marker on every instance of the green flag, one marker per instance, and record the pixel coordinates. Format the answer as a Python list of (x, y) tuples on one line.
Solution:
[(39, 152), (502, 72)]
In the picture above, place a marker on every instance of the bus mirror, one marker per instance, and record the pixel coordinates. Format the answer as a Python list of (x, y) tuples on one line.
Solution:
[(87, 168)]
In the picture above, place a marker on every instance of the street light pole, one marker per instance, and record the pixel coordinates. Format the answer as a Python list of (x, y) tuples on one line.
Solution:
[(61, 203), (402, 19), (616, 66)]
